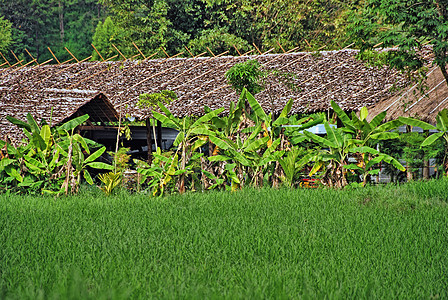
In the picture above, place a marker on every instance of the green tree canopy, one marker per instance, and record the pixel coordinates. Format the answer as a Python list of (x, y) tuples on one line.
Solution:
[(407, 24), (5, 33)]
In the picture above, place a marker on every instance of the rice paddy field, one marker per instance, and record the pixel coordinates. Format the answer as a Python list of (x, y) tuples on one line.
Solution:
[(379, 242)]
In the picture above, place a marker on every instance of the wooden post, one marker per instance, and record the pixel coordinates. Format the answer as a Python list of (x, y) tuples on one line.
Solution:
[(149, 139), (54, 56), (159, 134)]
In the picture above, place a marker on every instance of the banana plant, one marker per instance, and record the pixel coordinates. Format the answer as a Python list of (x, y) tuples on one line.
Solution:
[(192, 134), (162, 172), (45, 163), (366, 135), (364, 132), (333, 155), (371, 158), (441, 134), (291, 164)]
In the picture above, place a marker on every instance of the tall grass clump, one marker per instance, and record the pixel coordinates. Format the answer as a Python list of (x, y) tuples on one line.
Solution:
[(255, 243)]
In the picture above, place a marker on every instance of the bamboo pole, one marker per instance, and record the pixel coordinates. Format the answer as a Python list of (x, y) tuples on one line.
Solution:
[(44, 63), (15, 56), (5, 59), (278, 43), (54, 56), (307, 43), (32, 57), (96, 50), (189, 51), (67, 61), (119, 51), (256, 48), (138, 49), (93, 75), (238, 51), (22, 66), (203, 74), (63, 70), (5, 63), (11, 67), (66, 49), (210, 51), (165, 52), (247, 53)]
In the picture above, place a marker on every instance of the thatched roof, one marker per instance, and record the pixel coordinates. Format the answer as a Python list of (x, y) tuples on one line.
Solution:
[(53, 105), (320, 77), (411, 102)]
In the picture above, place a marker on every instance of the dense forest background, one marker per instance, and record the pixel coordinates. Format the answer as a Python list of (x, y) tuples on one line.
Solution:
[(220, 25)]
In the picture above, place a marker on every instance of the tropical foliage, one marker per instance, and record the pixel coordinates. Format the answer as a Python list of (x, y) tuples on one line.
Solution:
[(50, 160)]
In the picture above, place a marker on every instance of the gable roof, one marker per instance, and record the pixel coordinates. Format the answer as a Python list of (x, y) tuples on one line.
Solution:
[(53, 105)]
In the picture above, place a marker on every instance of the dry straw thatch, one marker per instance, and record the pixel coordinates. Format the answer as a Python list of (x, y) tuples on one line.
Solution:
[(198, 81)]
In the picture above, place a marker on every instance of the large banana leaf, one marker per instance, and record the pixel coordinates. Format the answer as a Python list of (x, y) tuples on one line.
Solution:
[(257, 144), (45, 133), (388, 126), (442, 120), (342, 115), (286, 109), (363, 113), (166, 111), (100, 165), (19, 123), (166, 121), (258, 110), (222, 143), (95, 155), (333, 135), (390, 160), (374, 161), (82, 142), (376, 121), (431, 139), (385, 135), (320, 140), (416, 123), (207, 117), (219, 158), (73, 123), (363, 149)]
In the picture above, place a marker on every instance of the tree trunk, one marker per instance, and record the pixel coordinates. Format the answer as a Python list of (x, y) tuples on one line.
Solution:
[(159, 134), (183, 164), (425, 168), (61, 22), (409, 175), (149, 139)]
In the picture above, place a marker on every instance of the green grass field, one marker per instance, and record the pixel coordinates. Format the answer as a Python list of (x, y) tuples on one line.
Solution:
[(379, 242)]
